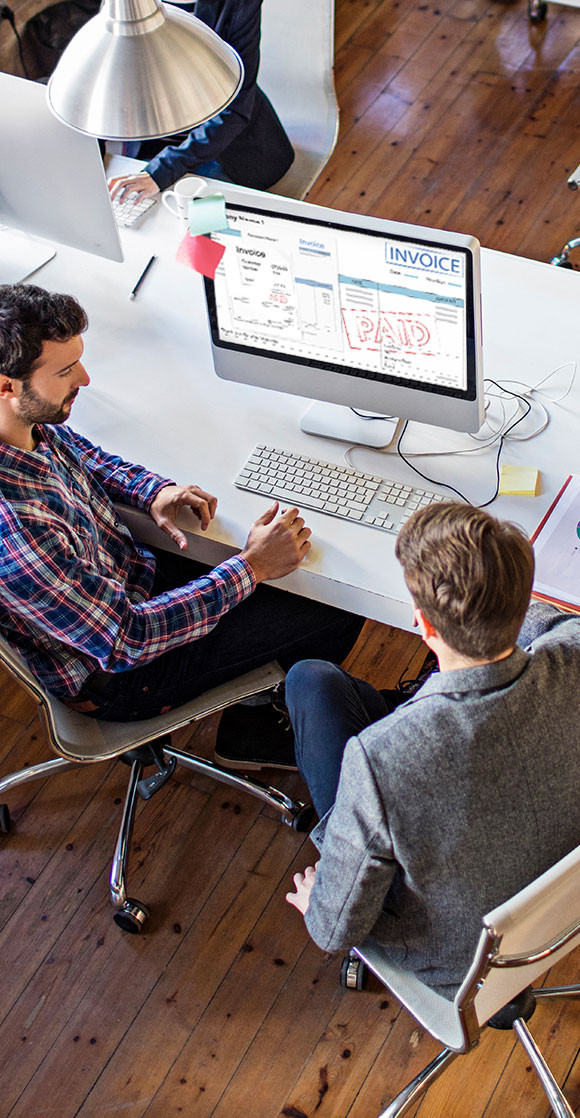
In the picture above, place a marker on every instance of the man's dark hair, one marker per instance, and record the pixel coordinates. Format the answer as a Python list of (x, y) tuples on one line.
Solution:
[(469, 574), (30, 316)]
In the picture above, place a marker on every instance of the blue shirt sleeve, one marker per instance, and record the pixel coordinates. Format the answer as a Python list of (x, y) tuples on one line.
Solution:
[(237, 22)]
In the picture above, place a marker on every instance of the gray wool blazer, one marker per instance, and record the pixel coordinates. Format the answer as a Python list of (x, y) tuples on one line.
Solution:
[(453, 803)]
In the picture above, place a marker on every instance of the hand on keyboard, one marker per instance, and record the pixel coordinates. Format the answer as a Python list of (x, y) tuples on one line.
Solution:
[(142, 185), (131, 211), (277, 543)]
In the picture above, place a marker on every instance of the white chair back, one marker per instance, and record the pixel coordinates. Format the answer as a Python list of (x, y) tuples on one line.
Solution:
[(541, 920), (532, 923), (296, 73)]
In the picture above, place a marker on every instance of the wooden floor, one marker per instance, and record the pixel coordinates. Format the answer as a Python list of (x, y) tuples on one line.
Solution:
[(455, 113)]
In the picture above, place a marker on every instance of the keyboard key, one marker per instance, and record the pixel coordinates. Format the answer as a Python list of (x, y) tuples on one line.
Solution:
[(307, 483), (130, 213)]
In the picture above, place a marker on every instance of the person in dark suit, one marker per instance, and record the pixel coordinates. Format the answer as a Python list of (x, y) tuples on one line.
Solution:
[(245, 143)]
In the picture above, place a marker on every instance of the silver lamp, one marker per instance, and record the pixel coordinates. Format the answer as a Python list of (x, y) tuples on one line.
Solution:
[(142, 69)]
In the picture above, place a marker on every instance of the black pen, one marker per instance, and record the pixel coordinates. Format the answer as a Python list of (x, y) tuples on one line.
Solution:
[(141, 278)]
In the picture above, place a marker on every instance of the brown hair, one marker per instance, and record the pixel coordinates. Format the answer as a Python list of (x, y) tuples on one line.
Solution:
[(29, 317), (470, 575)]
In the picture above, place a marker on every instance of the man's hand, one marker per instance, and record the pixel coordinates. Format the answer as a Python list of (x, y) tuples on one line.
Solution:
[(172, 498), (142, 185), (277, 543), (303, 883)]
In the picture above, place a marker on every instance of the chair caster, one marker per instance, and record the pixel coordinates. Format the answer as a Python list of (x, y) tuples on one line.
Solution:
[(5, 822), (353, 973), (302, 819), (132, 916), (537, 10)]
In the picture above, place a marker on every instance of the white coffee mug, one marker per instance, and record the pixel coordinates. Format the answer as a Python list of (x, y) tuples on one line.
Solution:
[(178, 198)]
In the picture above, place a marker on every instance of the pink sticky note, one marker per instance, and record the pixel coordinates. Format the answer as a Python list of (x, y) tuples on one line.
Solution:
[(200, 253)]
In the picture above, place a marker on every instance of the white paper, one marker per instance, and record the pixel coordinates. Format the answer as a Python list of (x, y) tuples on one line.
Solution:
[(557, 549)]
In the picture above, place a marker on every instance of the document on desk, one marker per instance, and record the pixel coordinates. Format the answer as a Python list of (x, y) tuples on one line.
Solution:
[(557, 549)]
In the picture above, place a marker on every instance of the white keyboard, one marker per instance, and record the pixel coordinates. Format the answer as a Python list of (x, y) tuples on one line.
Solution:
[(336, 490), (129, 212)]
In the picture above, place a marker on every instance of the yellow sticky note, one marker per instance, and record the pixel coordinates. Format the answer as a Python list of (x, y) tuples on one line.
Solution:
[(519, 481)]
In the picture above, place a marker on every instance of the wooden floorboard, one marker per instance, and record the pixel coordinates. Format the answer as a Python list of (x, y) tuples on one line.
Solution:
[(455, 113)]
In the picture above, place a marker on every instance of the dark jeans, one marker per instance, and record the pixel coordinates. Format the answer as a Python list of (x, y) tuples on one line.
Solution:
[(327, 706), (269, 625)]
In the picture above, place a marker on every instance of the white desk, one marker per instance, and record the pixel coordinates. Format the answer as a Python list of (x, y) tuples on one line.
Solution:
[(155, 399)]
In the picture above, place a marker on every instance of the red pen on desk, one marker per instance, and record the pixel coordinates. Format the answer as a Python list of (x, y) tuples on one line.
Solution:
[(142, 277)]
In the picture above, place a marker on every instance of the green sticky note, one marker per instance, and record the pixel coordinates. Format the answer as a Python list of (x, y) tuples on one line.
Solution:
[(207, 215), (519, 481)]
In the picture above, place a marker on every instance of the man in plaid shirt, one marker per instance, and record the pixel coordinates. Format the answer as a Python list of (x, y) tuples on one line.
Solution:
[(108, 626)]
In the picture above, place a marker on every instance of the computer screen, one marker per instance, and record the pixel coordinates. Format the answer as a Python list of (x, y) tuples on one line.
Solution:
[(348, 309), (52, 181)]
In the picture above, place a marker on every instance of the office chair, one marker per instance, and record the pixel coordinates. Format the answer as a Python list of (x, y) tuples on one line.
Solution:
[(537, 11), (297, 74), (520, 940), (78, 739), (562, 258)]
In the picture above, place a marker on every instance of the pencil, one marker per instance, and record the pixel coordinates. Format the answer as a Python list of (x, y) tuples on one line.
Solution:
[(141, 278)]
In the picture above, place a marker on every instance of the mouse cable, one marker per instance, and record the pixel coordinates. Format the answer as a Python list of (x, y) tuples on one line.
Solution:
[(371, 418), (502, 438), (493, 435)]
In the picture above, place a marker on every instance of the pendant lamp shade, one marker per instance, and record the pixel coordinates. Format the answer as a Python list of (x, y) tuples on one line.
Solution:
[(141, 69)]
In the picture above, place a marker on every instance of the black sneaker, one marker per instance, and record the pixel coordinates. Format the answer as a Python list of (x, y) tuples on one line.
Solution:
[(410, 686), (255, 737)]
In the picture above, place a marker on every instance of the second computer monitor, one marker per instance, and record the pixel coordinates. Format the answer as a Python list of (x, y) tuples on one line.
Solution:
[(52, 179), (348, 309)]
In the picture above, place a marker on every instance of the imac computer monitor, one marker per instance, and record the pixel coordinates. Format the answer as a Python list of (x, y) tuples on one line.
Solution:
[(348, 309), (52, 184)]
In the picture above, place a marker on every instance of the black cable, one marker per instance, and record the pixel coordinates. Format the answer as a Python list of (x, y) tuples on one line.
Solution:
[(505, 433), (503, 436), (432, 481), (361, 415), (7, 14)]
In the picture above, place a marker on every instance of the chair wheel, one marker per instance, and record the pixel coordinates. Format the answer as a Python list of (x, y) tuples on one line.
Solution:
[(537, 10), (303, 819), (5, 822), (132, 916), (353, 973)]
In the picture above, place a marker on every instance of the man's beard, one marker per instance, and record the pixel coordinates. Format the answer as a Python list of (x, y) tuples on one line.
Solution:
[(33, 408)]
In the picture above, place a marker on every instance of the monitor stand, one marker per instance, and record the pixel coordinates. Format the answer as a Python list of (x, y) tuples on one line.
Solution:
[(21, 255), (334, 421)]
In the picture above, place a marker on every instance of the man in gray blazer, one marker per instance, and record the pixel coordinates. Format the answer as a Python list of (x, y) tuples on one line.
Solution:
[(454, 801)]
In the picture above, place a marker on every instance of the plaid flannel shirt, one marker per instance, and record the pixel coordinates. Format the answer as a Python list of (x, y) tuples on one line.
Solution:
[(74, 585)]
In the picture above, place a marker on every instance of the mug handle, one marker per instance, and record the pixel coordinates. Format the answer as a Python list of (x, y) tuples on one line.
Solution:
[(166, 199)]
